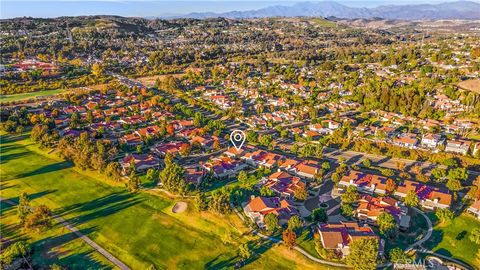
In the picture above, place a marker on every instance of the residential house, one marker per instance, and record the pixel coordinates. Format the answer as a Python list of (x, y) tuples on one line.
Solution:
[(474, 209), (289, 165), (146, 132), (339, 236), (131, 139), (369, 208), (262, 158), (132, 120), (365, 182), (430, 197), (310, 134), (406, 140), (72, 109), (258, 207), (331, 124), (224, 166), (194, 175), (431, 140), (142, 162), (234, 152), (173, 148), (307, 169), (283, 184), (205, 141), (458, 146), (181, 124)]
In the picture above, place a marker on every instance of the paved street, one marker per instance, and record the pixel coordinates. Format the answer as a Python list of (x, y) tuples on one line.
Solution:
[(324, 195), (353, 157)]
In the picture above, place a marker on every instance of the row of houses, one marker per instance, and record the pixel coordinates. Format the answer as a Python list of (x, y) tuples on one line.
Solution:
[(430, 197)]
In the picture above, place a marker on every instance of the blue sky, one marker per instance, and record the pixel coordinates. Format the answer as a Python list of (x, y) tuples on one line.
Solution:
[(145, 8)]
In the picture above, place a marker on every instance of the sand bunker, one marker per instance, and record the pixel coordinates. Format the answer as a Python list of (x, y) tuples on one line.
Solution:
[(179, 207)]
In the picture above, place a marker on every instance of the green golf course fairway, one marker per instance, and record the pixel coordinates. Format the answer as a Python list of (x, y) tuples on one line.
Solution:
[(23, 96), (452, 239), (138, 229)]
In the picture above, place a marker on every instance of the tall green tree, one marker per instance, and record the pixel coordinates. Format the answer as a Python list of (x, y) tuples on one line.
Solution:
[(271, 222), (243, 177), (201, 202), (23, 208), (39, 220), (74, 120), (397, 255), (220, 202), (133, 183), (319, 215), (351, 195), (387, 225), (411, 199), (295, 224), (17, 250), (444, 215), (245, 252), (475, 235), (363, 254), (172, 177)]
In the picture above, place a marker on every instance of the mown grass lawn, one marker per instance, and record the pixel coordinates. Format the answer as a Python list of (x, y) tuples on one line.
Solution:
[(307, 242), (55, 246), (280, 257), (452, 239), (138, 229), (23, 96)]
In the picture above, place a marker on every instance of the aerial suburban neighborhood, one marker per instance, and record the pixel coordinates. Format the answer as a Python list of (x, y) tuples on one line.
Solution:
[(233, 141)]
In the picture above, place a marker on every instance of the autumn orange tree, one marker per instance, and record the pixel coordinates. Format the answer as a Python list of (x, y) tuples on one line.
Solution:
[(289, 237), (390, 186)]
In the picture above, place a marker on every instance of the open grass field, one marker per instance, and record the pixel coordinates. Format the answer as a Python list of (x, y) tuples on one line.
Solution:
[(149, 81), (139, 229), (55, 246), (323, 22), (471, 85), (24, 96), (46, 93), (453, 239)]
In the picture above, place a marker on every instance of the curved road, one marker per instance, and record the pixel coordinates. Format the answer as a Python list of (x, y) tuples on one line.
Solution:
[(426, 237), (85, 238), (297, 248), (429, 232), (306, 254)]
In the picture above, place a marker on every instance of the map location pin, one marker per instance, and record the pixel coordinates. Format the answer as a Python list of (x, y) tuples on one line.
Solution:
[(237, 137)]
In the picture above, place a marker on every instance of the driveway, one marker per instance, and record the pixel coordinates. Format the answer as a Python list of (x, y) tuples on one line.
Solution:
[(324, 195)]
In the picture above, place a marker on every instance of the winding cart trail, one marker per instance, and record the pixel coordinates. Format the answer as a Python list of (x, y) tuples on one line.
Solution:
[(85, 238)]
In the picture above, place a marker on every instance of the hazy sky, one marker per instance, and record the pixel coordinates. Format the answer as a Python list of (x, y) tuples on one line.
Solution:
[(145, 8)]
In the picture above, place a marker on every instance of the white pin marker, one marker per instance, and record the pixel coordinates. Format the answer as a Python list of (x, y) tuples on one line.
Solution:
[(237, 137)]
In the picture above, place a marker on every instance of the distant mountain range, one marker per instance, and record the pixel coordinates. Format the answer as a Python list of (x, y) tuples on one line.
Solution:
[(451, 10)]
